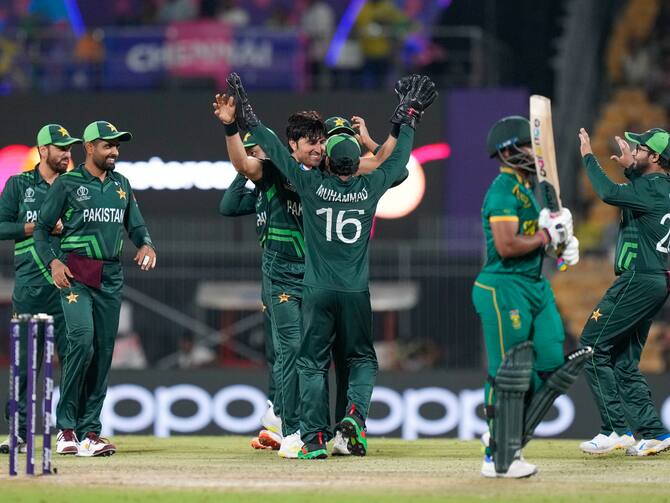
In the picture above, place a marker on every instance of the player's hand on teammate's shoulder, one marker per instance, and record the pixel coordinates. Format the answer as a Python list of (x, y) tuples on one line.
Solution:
[(625, 159), (363, 136), (145, 258), (224, 108), (584, 142)]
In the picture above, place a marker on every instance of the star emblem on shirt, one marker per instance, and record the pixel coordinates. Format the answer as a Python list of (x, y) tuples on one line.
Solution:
[(339, 121), (63, 131), (121, 193), (283, 297), (72, 298), (596, 314), (263, 308)]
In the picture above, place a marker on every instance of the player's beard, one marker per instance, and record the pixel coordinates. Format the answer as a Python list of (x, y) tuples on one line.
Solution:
[(641, 166), (105, 163), (58, 164)]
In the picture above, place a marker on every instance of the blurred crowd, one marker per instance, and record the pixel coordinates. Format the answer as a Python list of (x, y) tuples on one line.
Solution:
[(387, 37)]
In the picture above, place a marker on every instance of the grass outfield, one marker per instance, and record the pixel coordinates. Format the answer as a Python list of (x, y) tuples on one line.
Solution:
[(226, 469)]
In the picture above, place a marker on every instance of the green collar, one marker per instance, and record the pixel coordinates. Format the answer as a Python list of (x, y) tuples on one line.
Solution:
[(37, 176), (89, 177)]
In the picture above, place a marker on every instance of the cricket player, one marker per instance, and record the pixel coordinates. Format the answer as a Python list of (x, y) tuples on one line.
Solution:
[(618, 327), (357, 128), (238, 200), (34, 290), (284, 253), (516, 305), (338, 212), (95, 205)]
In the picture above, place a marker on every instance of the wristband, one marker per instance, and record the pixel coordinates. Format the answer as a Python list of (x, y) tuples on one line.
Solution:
[(395, 130), (231, 129)]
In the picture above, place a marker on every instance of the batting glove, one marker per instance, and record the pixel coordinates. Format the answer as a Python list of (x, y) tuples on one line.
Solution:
[(558, 225), (571, 252)]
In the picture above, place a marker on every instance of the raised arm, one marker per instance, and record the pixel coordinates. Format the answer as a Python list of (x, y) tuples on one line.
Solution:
[(369, 164), (418, 95), (267, 139), (250, 167), (616, 194)]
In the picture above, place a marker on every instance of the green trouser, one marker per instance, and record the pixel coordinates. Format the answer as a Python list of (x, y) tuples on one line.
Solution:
[(327, 315), (514, 309), (282, 286), (617, 331), (341, 381), (92, 319), (270, 355), (33, 300)]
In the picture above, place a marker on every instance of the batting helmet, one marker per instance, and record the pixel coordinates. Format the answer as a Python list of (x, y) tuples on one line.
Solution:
[(511, 133)]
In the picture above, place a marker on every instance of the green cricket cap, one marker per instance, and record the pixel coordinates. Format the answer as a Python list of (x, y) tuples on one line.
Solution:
[(55, 134), (249, 141), (342, 146), (656, 139), (335, 125), (103, 130)]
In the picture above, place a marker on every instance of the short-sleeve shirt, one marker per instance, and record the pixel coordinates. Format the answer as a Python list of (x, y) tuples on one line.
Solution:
[(509, 200)]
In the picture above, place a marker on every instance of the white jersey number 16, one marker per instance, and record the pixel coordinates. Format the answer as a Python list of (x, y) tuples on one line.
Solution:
[(340, 223)]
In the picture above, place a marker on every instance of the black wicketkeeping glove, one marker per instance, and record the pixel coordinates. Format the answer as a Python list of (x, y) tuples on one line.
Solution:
[(245, 116), (403, 85), (419, 97)]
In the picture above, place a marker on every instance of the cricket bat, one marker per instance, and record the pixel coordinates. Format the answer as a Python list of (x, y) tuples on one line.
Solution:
[(542, 136)]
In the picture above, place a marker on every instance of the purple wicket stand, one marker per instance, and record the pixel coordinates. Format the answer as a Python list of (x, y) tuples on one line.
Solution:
[(14, 359), (48, 392), (31, 395)]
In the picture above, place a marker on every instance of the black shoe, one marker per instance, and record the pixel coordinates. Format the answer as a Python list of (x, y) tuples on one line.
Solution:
[(353, 430)]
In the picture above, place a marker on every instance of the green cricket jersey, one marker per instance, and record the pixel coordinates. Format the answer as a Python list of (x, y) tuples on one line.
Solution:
[(509, 200), (337, 213), (644, 232), (20, 203), (284, 227), (94, 216), (237, 201)]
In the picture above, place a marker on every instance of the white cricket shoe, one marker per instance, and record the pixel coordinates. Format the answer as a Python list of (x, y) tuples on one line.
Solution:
[(66, 442), (340, 445), (290, 446), (519, 469), (627, 440), (270, 421), (93, 445), (4, 446), (649, 447), (602, 444)]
